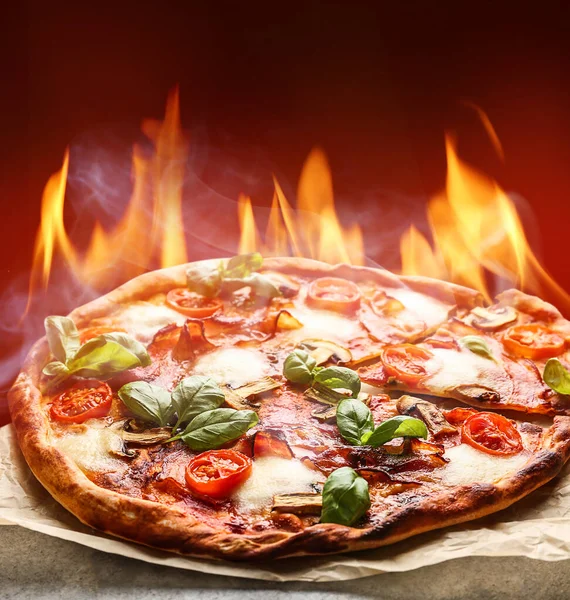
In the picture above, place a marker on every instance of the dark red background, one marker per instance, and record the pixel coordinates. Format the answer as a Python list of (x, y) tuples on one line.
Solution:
[(374, 84)]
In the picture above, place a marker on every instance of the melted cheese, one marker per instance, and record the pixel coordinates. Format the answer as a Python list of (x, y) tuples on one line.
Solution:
[(468, 465), (323, 324), (272, 475), (91, 449), (143, 319), (236, 366), (453, 369), (431, 311)]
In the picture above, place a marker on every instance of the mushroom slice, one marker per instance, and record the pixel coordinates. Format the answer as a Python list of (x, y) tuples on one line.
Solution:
[(469, 392), (147, 438), (325, 350), (237, 398), (427, 412), (300, 503), (492, 317), (325, 395), (326, 413)]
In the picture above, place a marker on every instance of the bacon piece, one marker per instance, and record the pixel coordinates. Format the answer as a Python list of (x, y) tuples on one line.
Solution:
[(271, 443), (192, 340)]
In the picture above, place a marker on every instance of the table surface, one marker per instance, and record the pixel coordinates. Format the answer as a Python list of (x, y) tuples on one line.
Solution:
[(33, 565)]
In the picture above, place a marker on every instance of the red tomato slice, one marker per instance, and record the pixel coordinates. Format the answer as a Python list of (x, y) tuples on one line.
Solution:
[(93, 332), (333, 293), (192, 304), (217, 473), (533, 341), (406, 362), (456, 416), (491, 433), (89, 399), (270, 444)]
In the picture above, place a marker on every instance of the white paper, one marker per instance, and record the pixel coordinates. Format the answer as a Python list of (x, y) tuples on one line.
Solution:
[(537, 527)]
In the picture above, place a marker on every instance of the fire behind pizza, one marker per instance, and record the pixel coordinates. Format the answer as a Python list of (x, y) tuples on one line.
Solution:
[(249, 409)]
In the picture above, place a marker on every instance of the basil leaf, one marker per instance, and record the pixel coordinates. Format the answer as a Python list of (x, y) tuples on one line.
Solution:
[(243, 265), (337, 378), (62, 337), (345, 497), (205, 280), (260, 285), (214, 428), (58, 372), (195, 395), (147, 401), (556, 376), (298, 367), (354, 419), (107, 355), (400, 426), (477, 345)]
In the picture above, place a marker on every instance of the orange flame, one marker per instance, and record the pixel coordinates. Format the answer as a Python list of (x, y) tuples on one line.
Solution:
[(477, 232), (151, 231), (313, 230)]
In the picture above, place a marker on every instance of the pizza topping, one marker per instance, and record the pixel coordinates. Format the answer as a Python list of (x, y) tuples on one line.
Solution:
[(101, 357), (273, 476), (217, 473), (236, 398), (427, 412), (148, 401), (533, 341), (385, 305), (191, 341), (195, 395), (474, 392), (356, 425), (90, 399), (406, 363), (284, 283), (325, 350), (335, 294), (214, 428), (91, 332), (491, 318), (345, 497), (298, 367), (271, 443), (477, 345), (556, 376), (301, 503), (337, 379), (192, 304), (234, 366), (491, 433), (211, 280)]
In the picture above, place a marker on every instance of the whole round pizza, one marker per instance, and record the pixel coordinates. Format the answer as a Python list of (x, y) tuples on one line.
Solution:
[(257, 409)]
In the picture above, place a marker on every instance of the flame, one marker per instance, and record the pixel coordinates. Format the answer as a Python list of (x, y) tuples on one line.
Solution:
[(149, 234), (313, 230), (477, 234)]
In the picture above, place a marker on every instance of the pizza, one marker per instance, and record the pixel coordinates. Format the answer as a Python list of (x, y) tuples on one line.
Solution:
[(250, 409)]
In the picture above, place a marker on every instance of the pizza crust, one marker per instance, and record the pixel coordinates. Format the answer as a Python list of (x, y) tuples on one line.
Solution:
[(169, 528)]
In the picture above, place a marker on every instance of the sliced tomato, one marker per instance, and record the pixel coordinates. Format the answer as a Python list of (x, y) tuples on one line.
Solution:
[(456, 416), (89, 399), (268, 443), (491, 433), (93, 332), (192, 304), (533, 341), (333, 293), (405, 362), (217, 473)]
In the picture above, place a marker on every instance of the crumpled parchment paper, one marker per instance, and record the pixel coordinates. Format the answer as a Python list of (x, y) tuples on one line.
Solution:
[(537, 527)]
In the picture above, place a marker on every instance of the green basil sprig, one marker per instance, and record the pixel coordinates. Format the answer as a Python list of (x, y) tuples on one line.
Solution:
[(477, 345), (239, 272), (214, 428), (345, 497), (400, 426), (147, 401), (335, 378), (195, 395), (191, 397), (300, 367), (556, 376), (356, 425), (101, 357)]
